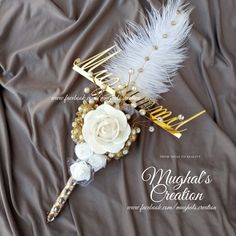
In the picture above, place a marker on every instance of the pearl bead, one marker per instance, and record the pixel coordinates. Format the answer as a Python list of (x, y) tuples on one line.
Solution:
[(151, 129), (140, 70), (138, 130), (142, 112), (87, 90), (164, 36), (81, 138), (147, 58), (173, 22), (133, 131), (103, 86), (111, 154), (128, 116), (80, 109), (125, 151), (131, 71), (134, 104), (119, 155), (76, 131), (159, 119), (180, 117), (108, 102), (133, 88), (128, 143), (91, 101), (120, 86)]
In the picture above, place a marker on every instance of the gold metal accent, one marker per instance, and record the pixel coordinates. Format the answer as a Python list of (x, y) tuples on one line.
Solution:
[(154, 112), (61, 200)]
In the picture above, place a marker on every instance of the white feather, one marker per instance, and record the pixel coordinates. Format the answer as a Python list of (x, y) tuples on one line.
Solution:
[(139, 42)]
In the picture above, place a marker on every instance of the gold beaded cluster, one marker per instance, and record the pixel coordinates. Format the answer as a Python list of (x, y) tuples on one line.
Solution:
[(132, 138), (77, 124)]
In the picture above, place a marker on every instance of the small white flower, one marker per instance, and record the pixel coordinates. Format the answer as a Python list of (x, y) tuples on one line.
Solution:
[(83, 151), (80, 171), (97, 162), (105, 129)]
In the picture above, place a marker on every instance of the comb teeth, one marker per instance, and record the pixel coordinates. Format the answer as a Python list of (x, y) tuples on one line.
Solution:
[(90, 69)]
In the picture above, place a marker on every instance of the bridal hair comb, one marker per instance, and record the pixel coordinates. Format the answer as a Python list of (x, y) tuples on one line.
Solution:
[(128, 78)]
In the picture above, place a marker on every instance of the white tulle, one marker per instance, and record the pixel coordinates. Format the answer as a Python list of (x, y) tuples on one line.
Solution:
[(156, 48), (97, 162), (80, 171), (86, 156)]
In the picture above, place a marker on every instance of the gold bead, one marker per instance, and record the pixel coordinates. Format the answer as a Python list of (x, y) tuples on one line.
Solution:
[(118, 155), (74, 124), (178, 12), (111, 155), (147, 58), (173, 22), (133, 138), (91, 101)]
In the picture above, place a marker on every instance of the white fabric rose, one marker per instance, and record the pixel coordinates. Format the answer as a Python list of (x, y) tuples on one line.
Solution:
[(105, 129), (80, 171), (97, 162), (83, 151)]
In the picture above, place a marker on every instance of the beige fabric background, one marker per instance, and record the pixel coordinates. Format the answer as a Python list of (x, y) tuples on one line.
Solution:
[(38, 42)]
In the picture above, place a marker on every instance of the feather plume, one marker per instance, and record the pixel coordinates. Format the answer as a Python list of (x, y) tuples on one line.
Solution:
[(153, 51)]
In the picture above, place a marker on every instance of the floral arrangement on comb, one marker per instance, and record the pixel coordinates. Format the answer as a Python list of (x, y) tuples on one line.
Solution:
[(136, 71)]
